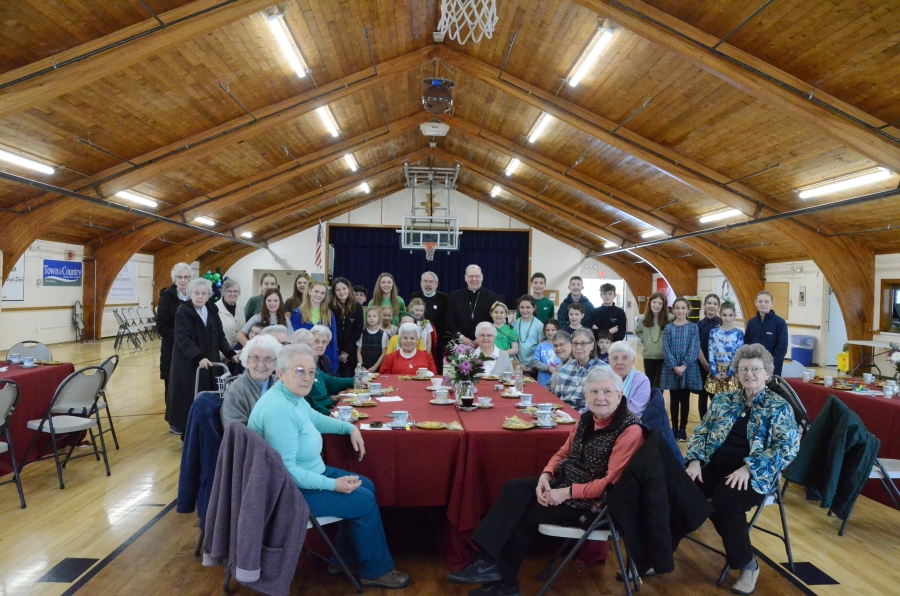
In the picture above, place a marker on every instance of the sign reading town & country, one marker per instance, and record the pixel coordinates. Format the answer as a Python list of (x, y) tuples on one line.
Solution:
[(62, 273)]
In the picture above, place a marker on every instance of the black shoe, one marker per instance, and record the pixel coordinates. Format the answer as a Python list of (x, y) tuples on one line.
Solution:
[(175, 430), (478, 571), (682, 436), (495, 589)]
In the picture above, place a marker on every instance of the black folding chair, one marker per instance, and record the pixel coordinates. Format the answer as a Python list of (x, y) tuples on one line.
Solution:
[(9, 398)]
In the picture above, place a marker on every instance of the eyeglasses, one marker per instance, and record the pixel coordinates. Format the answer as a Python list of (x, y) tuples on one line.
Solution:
[(256, 360), (755, 370), (285, 343), (597, 392), (302, 372), (184, 277), (560, 346), (582, 344), (320, 342)]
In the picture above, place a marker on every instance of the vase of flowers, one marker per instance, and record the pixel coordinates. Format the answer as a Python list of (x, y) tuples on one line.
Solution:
[(465, 363), (894, 357)]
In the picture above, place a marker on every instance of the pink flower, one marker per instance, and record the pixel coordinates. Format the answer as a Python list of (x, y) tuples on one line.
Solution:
[(465, 367), (461, 349)]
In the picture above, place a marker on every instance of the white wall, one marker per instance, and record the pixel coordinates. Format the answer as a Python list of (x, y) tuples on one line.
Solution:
[(814, 312), (886, 267)]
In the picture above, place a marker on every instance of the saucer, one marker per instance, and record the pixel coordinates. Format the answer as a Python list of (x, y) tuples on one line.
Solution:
[(471, 409), (521, 405), (551, 425), (32, 366), (438, 402), (484, 407), (401, 426)]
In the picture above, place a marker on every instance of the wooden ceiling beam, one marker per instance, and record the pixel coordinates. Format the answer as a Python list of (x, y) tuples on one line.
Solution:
[(97, 64), (759, 79), (681, 275), (746, 277)]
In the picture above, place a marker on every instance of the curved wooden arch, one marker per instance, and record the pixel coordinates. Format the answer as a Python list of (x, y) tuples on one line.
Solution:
[(682, 277), (638, 278), (744, 275)]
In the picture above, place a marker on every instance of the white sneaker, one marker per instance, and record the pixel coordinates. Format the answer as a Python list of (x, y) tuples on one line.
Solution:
[(746, 581)]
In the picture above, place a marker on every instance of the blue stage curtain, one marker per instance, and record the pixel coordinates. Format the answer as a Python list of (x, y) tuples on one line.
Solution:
[(362, 254)]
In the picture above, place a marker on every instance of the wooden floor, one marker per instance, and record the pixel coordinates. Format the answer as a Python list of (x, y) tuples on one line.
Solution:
[(127, 524)]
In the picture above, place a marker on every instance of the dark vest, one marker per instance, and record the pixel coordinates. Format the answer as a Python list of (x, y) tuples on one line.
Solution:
[(371, 347), (590, 451)]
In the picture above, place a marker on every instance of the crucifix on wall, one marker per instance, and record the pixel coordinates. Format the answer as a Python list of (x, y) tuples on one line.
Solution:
[(429, 206)]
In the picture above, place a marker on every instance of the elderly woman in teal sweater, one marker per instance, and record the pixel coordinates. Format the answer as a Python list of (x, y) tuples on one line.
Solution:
[(287, 422)]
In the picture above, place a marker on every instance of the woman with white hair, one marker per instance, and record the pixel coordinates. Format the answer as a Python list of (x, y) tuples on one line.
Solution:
[(198, 340), (232, 317), (408, 359), (635, 384), (321, 341), (325, 386), (259, 357), (496, 361), (169, 300)]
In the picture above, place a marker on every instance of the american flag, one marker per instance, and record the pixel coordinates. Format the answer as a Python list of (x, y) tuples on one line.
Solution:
[(319, 247)]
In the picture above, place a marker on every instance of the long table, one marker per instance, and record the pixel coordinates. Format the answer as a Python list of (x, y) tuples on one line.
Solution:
[(881, 417), (462, 470), (36, 389)]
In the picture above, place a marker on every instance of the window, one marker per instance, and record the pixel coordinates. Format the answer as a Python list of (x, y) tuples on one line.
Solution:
[(890, 305)]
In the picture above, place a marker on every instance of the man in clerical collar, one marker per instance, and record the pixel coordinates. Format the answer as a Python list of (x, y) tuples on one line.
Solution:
[(470, 305), (435, 311)]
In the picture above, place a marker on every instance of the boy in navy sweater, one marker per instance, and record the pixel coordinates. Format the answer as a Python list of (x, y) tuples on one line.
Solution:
[(768, 329)]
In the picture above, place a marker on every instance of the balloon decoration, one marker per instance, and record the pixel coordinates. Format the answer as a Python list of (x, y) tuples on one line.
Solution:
[(216, 278)]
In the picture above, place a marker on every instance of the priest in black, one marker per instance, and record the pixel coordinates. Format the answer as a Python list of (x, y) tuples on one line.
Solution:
[(470, 305), (435, 311)]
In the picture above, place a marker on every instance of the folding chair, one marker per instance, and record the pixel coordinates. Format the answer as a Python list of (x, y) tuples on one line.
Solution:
[(78, 393), (149, 321), (109, 365), (579, 536), (31, 348), (125, 331), (78, 321), (9, 397), (885, 470)]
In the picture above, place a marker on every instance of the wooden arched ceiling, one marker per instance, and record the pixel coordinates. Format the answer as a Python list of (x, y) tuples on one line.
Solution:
[(207, 117)]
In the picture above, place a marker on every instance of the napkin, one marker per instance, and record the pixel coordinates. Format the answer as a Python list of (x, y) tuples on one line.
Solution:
[(369, 427), (389, 398), (4, 369)]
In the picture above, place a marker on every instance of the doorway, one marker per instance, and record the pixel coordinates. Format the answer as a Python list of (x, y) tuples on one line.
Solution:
[(781, 294), (836, 330)]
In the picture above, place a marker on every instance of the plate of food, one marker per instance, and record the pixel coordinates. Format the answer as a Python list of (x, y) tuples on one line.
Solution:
[(454, 426), (442, 402), (363, 404), (431, 425), (48, 362), (382, 391), (516, 423), (532, 409), (511, 393), (488, 377)]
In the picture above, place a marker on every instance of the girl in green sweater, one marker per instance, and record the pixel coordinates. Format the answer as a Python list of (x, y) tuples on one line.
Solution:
[(649, 330)]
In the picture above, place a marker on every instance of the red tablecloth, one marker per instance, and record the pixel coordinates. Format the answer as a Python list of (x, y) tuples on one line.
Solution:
[(881, 417), (36, 389)]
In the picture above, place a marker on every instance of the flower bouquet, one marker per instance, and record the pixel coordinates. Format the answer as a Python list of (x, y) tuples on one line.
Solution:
[(465, 363), (894, 357)]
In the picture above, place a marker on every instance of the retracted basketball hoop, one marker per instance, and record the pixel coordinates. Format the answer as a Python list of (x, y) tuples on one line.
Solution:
[(463, 20)]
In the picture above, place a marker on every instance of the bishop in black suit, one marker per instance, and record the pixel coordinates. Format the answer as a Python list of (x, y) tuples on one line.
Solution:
[(470, 305)]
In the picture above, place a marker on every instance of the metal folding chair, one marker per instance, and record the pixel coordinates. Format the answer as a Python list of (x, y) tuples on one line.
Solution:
[(35, 349), (9, 398), (109, 365), (77, 394), (125, 331)]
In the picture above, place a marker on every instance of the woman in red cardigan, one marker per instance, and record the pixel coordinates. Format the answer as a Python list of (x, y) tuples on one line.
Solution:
[(407, 360)]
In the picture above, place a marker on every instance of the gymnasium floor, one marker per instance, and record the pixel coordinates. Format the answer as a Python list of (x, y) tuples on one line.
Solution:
[(121, 534)]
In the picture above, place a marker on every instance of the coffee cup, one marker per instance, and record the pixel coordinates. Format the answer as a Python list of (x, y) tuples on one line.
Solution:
[(506, 376), (400, 417), (14, 358), (28, 361), (484, 401), (467, 401), (807, 375), (441, 394), (437, 381), (545, 407), (829, 381), (888, 392), (422, 372), (525, 399), (374, 387), (345, 412), (543, 418), (868, 378), (363, 397), (891, 383)]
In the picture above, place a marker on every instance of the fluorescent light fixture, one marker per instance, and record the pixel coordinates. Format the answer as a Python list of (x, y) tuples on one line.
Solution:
[(365, 187), (610, 245), (205, 221), (720, 215), (539, 127), (512, 167), (136, 198), (652, 233), (21, 160), (495, 191), (328, 120), (844, 182), (287, 44), (246, 234), (590, 56), (351, 162)]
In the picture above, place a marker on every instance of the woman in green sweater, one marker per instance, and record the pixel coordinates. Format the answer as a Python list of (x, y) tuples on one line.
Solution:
[(649, 329), (286, 421)]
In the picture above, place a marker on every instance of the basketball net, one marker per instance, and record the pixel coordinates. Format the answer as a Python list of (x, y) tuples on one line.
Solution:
[(430, 248), (463, 20)]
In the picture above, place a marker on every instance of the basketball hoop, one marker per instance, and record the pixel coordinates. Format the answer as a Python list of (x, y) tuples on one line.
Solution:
[(468, 19), (430, 248)]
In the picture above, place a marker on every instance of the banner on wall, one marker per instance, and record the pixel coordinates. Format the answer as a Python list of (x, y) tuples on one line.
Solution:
[(62, 273), (124, 288), (14, 286)]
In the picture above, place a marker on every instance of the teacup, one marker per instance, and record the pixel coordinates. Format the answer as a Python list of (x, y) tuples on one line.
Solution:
[(868, 378), (829, 381), (400, 417), (15, 358), (888, 391), (525, 399), (506, 376), (422, 372), (441, 394), (28, 361), (543, 418), (545, 407), (345, 412), (374, 387), (363, 397), (807, 375), (484, 401), (467, 401), (891, 383), (437, 381)]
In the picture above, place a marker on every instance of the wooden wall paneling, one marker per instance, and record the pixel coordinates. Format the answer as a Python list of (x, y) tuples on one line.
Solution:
[(677, 36), (682, 277), (744, 275), (39, 90)]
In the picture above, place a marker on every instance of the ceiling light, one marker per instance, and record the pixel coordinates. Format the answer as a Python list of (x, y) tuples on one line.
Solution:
[(351, 162), (365, 187), (495, 191), (136, 198), (652, 233), (21, 160), (328, 120), (720, 215), (844, 182), (610, 245), (205, 221), (246, 234), (287, 44), (539, 127), (591, 54), (513, 165)]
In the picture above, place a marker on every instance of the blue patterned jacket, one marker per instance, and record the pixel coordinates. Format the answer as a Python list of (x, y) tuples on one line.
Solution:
[(772, 432)]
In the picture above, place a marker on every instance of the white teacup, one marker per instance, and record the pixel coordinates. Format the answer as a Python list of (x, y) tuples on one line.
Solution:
[(544, 418), (891, 383), (400, 417), (888, 391), (829, 381), (374, 387), (484, 401), (15, 358), (422, 372), (807, 375), (545, 407), (363, 397), (525, 399), (437, 381), (345, 412), (868, 378), (506, 376), (441, 394), (28, 361)]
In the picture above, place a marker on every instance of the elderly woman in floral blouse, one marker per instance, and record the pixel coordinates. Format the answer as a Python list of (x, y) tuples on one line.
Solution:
[(735, 455)]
